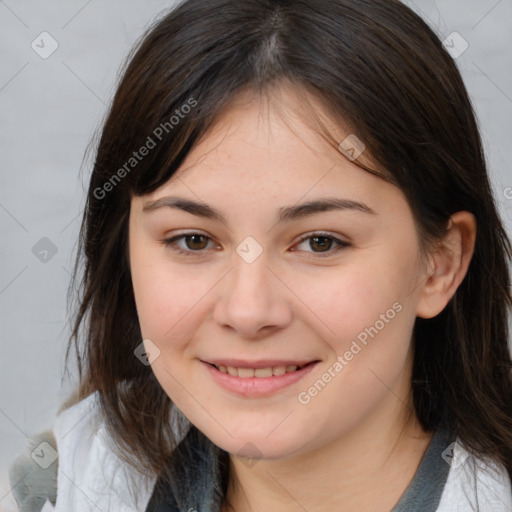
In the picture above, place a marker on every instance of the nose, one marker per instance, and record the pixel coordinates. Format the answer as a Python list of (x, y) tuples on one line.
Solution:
[(253, 301)]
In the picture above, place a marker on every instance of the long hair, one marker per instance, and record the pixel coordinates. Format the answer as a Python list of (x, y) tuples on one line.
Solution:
[(377, 66)]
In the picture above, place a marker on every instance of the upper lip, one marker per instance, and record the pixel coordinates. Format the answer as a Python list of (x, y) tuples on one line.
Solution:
[(260, 363)]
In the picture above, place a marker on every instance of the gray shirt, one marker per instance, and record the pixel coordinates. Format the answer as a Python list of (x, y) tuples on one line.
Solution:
[(199, 473)]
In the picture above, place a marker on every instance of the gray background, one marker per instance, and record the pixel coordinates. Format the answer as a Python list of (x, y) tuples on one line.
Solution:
[(50, 109)]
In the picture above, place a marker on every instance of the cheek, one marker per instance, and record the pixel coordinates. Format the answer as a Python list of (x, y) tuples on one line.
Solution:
[(347, 303), (156, 289), (366, 325), (366, 320), (167, 301)]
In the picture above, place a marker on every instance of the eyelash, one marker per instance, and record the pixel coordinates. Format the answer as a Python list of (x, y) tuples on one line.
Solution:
[(171, 243)]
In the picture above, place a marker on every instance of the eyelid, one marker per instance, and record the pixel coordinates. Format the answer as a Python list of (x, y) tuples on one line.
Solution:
[(172, 241), (326, 234), (341, 244)]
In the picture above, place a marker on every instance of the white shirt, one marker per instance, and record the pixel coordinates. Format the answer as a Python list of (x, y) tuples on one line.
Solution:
[(92, 478)]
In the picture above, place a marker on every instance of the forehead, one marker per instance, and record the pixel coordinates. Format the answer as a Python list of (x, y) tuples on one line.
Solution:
[(263, 148), (258, 135)]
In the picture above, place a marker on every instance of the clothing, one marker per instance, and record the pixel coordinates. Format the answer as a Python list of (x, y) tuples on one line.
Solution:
[(90, 476)]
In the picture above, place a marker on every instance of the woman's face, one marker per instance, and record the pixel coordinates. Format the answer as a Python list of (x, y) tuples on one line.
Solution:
[(262, 276)]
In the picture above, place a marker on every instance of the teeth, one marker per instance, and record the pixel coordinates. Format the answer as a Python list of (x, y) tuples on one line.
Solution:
[(246, 373), (263, 372)]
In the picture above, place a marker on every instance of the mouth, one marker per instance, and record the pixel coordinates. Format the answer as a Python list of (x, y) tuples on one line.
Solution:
[(259, 371), (257, 378)]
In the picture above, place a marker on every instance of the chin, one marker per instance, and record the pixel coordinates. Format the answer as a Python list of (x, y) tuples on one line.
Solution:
[(254, 445)]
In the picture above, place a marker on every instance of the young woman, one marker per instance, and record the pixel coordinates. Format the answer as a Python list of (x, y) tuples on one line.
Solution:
[(295, 287)]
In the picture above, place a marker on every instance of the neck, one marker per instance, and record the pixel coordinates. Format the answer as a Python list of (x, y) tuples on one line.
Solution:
[(367, 469)]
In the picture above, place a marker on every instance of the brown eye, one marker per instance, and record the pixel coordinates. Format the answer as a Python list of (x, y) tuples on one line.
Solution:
[(196, 242), (323, 243), (188, 244)]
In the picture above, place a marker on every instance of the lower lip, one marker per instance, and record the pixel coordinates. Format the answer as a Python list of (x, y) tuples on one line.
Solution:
[(257, 386)]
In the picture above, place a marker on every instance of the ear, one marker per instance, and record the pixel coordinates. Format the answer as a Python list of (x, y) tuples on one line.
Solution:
[(448, 265)]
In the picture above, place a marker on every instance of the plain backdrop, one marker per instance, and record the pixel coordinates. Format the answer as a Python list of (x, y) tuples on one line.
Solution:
[(50, 107)]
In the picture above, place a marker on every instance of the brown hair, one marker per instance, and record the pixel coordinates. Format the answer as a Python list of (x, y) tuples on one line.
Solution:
[(379, 67)]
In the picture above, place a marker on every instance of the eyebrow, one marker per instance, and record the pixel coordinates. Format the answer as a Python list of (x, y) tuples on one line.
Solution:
[(284, 214)]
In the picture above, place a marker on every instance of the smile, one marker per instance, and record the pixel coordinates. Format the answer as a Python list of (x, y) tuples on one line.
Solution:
[(260, 381), (269, 371)]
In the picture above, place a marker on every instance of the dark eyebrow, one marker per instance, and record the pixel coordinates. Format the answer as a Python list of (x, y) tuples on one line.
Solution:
[(199, 209), (285, 214), (322, 205)]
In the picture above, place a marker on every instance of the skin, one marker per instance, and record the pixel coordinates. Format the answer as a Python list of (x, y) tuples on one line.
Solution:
[(357, 443)]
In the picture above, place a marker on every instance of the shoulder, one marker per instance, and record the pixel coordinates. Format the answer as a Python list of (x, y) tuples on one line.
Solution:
[(89, 474), (475, 484)]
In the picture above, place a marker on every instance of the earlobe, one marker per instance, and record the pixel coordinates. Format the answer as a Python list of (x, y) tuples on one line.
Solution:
[(448, 265)]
